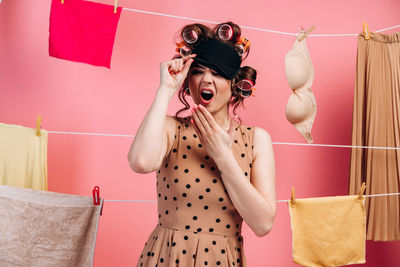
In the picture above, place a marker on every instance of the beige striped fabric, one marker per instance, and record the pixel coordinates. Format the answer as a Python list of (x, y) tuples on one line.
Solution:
[(376, 120)]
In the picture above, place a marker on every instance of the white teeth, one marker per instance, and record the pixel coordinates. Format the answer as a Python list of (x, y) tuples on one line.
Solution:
[(207, 92)]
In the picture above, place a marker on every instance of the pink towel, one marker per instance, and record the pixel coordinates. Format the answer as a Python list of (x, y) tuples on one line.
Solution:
[(83, 31)]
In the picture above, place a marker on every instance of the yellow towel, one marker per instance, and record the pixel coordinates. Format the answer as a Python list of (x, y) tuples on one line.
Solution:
[(23, 157), (328, 231)]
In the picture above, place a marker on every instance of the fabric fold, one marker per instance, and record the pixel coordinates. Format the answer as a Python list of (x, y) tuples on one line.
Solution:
[(376, 117), (184, 248)]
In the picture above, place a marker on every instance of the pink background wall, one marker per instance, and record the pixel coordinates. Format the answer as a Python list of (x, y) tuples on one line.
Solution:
[(76, 97)]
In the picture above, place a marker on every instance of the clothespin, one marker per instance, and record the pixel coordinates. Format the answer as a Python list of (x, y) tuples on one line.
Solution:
[(367, 35), (362, 189), (292, 198), (252, 94), (306, 33), (38, 124), (96, 195), (115, 6)]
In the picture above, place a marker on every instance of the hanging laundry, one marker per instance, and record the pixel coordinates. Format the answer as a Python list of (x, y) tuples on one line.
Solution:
[(301, 107), (41, 228), (83, 31), (23, 157), (328, 231), (376, 119)]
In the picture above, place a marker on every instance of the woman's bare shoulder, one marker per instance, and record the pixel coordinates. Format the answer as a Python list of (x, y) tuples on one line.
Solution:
[(262, 139), (259, 132)]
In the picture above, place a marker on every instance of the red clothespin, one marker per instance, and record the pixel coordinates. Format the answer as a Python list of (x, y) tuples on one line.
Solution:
[(96, 195)]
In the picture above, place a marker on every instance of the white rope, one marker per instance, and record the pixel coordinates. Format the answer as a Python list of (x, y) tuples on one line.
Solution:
[(275, 143), (278, 201), (248, 27), (98, 134), (327, 145)]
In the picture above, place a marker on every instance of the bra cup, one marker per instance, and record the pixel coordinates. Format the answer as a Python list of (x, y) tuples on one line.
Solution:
[(298, 108), (304, 126), (297, 73)]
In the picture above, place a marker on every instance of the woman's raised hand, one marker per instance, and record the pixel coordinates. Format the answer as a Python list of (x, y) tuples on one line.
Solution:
[(174, 72)]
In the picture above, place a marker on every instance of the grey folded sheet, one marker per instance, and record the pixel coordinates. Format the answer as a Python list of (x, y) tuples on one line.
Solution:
[(41, 228)]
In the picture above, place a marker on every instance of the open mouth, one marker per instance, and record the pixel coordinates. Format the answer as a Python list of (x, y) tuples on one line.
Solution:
[(206, 95)]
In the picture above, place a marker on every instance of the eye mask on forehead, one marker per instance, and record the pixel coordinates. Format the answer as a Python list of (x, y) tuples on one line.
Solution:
[(218, 56)]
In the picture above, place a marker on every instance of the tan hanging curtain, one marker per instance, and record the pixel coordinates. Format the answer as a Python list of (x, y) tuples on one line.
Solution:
[(376, 122)]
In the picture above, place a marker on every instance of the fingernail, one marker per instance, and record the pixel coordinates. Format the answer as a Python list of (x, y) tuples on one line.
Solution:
[(191, 120), (193, 110)]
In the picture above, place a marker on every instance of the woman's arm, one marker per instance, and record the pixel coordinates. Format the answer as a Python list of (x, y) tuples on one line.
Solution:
[(153, 138), (255, 201)]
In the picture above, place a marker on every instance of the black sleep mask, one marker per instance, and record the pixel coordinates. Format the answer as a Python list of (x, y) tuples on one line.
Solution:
[(218, 56)]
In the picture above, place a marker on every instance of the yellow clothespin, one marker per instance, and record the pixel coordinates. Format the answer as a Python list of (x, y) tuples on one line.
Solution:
[(292, 199), (306, 33), (62, 1), (115, 6), (367, 35), (38, 124), (362, 189)]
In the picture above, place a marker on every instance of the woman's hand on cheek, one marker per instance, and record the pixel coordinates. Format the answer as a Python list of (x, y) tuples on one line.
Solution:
[(216, 141)]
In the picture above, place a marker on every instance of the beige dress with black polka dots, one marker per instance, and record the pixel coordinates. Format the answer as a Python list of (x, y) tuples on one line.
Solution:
[(198, 224)]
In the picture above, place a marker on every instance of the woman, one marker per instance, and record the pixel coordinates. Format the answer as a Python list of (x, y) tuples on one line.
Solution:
[(212, 172)]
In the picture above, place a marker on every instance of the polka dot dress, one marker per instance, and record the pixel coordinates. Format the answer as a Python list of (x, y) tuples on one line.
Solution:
[(198, 224)]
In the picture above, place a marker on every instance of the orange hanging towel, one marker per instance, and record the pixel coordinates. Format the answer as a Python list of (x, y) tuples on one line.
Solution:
[(328, 231)]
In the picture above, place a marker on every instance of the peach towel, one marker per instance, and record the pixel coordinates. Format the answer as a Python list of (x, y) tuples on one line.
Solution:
[(328, 231), (41, 228)]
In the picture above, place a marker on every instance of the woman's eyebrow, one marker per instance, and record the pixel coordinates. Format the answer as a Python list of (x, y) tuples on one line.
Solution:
[(199, 66)]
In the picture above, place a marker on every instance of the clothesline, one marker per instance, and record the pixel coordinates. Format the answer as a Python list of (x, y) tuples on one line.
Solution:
[(278, 201), (248, 27), (274, 143)]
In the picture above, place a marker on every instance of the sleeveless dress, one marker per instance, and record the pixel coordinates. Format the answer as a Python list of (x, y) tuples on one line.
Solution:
[(198, 224)]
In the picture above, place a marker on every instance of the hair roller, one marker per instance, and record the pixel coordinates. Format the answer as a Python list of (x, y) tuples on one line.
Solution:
[(190, 34), (222, 30), (246, 73)]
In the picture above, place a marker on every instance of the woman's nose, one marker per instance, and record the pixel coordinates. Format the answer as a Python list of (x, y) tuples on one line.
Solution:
[(207, 77)]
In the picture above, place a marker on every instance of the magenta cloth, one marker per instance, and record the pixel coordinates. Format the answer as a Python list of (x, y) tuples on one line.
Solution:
[(83, 31)]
